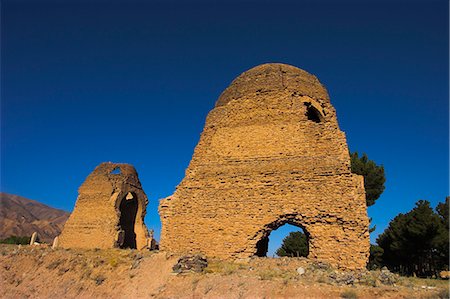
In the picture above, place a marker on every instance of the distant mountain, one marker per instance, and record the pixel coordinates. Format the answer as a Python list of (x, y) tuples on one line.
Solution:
[(20, 216)]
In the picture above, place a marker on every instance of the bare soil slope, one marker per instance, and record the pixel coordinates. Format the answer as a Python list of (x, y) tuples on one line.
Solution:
[(20, 216), (40, 272)]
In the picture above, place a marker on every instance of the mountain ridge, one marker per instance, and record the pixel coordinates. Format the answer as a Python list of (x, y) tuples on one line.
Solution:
[(20, 216)]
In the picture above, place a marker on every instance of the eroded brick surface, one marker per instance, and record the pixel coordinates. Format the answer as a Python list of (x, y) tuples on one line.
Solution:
[(262, 161), (95, 221)]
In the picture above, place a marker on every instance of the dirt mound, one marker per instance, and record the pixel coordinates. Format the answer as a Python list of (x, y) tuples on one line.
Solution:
[(40, 272)]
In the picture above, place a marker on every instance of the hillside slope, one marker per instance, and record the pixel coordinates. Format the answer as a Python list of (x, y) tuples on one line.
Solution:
[(20, 216), (40, 272)]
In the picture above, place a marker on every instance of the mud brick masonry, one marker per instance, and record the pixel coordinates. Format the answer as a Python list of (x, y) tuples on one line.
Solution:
[(271, 153), (109, 211)]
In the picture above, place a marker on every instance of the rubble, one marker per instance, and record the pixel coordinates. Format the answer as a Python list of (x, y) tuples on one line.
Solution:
[(190, 263)]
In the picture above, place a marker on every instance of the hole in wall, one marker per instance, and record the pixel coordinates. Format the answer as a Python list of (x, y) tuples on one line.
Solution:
[(116, 170), (313, 114), (287, 240)]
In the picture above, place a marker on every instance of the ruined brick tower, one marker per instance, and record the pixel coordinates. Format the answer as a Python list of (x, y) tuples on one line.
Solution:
[(271, 153), (109, 211)]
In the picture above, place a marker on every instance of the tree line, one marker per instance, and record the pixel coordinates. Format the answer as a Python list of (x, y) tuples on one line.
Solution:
[(415, 243), (16, 240)]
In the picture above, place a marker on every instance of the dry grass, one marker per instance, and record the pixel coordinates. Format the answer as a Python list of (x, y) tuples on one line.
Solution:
[(349, 294), (88, 273), (424, 282), (224, 267), (443, 294), (270, 274)]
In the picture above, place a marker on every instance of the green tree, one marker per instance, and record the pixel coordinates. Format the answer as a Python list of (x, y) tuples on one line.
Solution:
[(443, 211), (295, 244), (375, 258), (442, 240), (411, 241), (374, 178)]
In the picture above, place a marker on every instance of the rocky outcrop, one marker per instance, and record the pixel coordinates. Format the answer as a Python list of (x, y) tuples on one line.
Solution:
[(271, 153), (109, 211)]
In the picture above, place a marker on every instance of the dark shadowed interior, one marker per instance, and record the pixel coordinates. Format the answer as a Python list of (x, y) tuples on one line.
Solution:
[(312, 113), (128, 211), (262, 246)]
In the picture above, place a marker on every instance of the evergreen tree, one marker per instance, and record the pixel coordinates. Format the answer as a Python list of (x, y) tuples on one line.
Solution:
[(374, 178), (411, 241), (294, 245), (375, 258), (442, 241), (443, 211)]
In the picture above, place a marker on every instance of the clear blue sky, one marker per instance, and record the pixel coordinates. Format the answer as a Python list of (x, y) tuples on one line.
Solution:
[(84, 82)]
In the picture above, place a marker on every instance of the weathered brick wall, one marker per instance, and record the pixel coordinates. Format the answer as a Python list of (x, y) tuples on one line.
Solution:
[(94, 222), (261, 163)]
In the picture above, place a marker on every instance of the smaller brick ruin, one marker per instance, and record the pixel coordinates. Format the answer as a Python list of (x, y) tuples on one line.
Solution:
[(109, 211)]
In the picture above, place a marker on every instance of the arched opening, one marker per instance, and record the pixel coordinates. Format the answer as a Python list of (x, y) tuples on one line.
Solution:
[(286, 240), (128, 211), (313, 114)]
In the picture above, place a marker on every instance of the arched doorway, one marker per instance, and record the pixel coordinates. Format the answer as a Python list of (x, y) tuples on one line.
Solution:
[(128, 210), (283, 238)]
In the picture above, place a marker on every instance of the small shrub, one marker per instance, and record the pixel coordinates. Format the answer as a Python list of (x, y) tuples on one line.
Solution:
[(54, 264), (322, 279), (229, 270), (223, 267), (267, 275), (63, 270), (99, 279), (16, 240), (113, 262), (349, 294)]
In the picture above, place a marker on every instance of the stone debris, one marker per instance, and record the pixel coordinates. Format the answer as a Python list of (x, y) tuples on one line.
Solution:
[(109, 211), (319, 265), (301, 271), (386, 277), (372, 278), (190, 263), (271, 153), (343, 278)]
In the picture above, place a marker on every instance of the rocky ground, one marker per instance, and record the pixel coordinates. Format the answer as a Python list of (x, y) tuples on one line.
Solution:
[(40, 272)]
